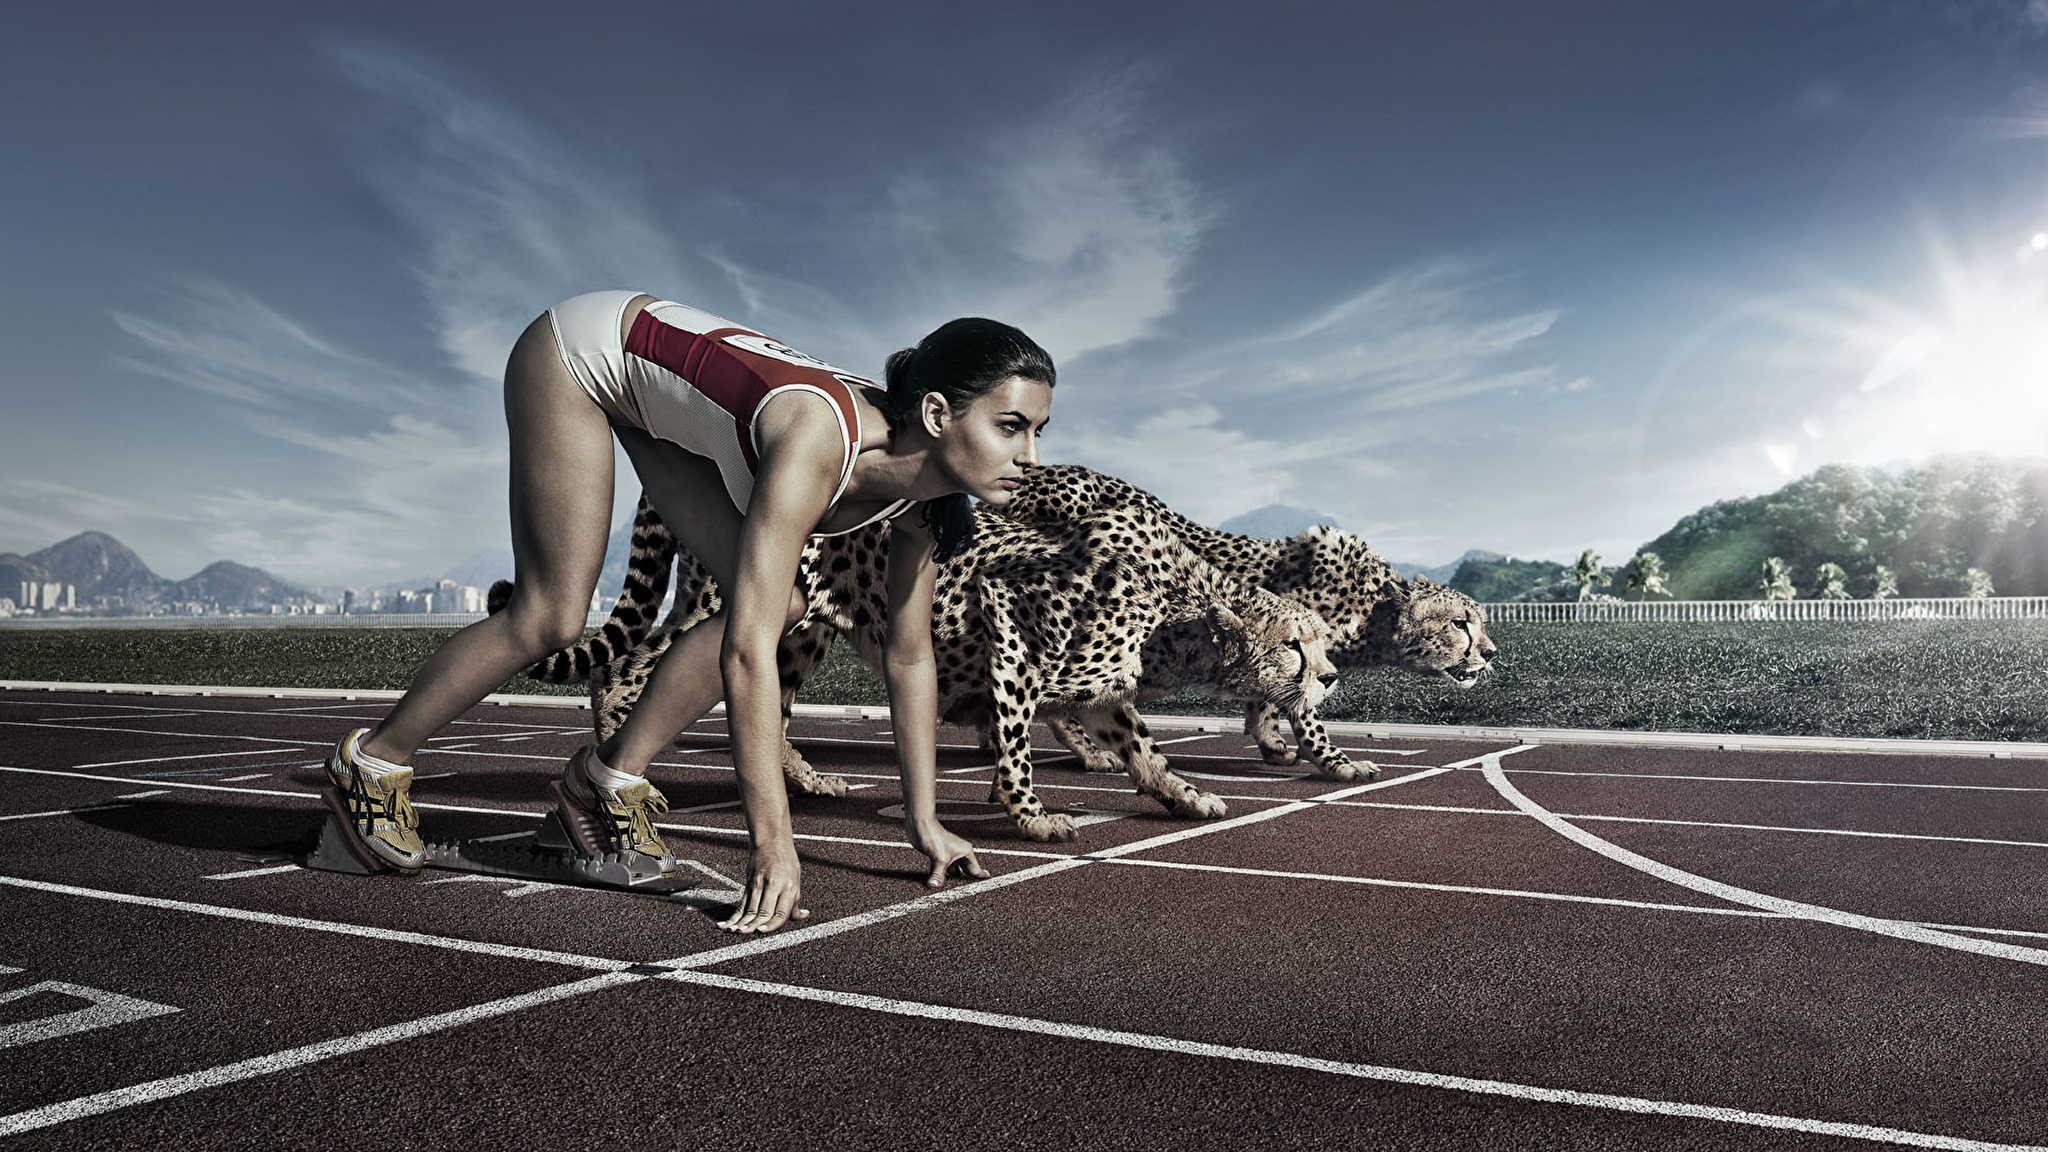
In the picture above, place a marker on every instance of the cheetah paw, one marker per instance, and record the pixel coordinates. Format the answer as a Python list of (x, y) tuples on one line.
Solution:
[(818, 785), (1047, 827), (1280, 757), (1345, 768), (1200, 806), (1101, 762)]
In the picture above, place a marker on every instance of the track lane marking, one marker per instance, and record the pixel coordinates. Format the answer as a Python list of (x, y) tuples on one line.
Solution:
[(1503, 1088), (1777, 780), (1497, 777), (61, 812), (248, 872), (173, 759), (103, 1102), (1690, 823), (339, 928)]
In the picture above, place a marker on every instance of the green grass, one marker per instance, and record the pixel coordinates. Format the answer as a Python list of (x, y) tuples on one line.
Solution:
[(1927, 679)]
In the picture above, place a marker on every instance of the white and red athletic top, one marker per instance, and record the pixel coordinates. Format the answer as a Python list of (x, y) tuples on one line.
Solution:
[(701, 381)]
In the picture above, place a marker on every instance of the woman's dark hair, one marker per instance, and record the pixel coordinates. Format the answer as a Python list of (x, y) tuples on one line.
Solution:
[(961, 360)]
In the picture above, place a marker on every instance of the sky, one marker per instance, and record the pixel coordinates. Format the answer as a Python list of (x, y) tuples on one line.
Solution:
[(1523, 277)]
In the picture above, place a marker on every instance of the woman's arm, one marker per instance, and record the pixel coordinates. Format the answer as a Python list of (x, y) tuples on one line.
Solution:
[(802, 450), (911, 674)]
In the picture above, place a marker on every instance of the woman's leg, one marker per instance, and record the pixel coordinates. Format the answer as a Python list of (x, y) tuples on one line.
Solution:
[(561, 514), (688, 492)]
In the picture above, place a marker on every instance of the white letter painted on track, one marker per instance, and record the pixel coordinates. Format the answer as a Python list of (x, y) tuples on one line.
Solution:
[(107, 1009)]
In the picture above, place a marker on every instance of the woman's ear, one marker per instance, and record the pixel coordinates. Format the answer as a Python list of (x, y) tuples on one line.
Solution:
[(933, 412)]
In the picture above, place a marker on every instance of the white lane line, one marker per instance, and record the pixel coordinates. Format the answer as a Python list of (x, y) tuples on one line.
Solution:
[(1459, 888), (505, 836), (162, 783), (247, 872), (240, 779), (154, 732), (1177, 1046), (715, 874), (172, 759), (1185, 739), (144, 795), (1378, 751), (708, 807), (275, 920), (1685, 823), (1729, 892), (1778, 780), (103, 1102), (119, 716), (60, 812), (435, 776), (788, 937)]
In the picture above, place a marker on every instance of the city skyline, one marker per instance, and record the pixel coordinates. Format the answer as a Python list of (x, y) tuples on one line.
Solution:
[(1475, 277)]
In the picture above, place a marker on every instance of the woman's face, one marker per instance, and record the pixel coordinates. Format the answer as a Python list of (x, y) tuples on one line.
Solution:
[(987, 445)]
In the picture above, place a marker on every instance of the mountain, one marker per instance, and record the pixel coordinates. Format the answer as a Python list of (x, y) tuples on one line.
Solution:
[(110, 576), (1276, 521), (101, 566), (234, 587), (1490, 577)]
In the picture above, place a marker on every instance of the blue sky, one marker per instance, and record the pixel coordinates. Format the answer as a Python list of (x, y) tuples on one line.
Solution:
[(1527, 277)]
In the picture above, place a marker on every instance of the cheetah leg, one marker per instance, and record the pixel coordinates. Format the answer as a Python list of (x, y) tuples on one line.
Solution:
[(1013, 698), (1262, 724), (1073, 736), (1317, 748), (1119, 729), (798, 656)]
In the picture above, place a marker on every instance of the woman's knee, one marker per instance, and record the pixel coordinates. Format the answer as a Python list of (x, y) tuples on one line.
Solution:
[(544, 626)]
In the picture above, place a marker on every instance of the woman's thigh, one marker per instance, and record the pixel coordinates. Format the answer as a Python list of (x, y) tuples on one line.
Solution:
[(561, 473), (690, 497)]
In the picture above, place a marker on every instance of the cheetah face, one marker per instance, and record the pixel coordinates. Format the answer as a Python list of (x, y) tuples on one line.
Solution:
[(1443, 633), (1280, 651)]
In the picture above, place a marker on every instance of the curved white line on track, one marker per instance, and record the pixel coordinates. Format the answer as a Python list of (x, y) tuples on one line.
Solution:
[(1729, 892)]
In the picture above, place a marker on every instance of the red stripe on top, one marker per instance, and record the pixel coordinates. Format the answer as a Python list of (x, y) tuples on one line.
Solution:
[(734, 378), (710, 367)]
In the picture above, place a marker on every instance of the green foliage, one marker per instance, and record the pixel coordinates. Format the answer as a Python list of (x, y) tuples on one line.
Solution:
[(1494, 581), (1644, 576), (1776, 581), (1831, 583), (1917, 534)]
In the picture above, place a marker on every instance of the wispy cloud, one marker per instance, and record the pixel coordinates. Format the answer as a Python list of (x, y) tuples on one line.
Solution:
[(38, 509)]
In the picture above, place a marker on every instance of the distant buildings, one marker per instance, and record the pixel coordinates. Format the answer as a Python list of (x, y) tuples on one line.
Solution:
[(445, 597)]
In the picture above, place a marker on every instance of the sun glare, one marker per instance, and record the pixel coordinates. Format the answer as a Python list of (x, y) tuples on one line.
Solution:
[(1961, 365)]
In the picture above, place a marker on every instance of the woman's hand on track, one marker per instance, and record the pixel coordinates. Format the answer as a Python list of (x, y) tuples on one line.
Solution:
[(950, 856), (774, 883)]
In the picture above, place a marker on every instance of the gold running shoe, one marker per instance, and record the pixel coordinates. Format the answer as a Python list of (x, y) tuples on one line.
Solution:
[(379, 814), (601, 820)]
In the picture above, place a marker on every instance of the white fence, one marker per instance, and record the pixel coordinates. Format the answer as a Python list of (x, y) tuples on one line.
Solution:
[(1600, 612)]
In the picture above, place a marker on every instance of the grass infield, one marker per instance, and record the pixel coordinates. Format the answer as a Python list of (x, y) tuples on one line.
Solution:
[(1918, 679)]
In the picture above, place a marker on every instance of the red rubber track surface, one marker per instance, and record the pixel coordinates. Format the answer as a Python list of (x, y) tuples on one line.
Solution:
[(1416, 965)]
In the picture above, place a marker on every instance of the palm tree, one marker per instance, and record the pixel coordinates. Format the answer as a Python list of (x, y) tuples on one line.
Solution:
[(1645, 574), (1887, 584), (1589, 574), (1832, 583), (1980, 584), (1777, 580)]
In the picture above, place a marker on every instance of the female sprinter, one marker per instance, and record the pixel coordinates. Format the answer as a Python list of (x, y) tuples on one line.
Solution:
[(746, 447)]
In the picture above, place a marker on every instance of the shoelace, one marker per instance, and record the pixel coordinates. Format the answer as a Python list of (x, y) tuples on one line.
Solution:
[(636, 827), (393, 805)]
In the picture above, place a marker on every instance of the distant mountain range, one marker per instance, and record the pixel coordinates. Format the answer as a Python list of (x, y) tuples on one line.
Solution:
[(1278, 521), (109, 575)]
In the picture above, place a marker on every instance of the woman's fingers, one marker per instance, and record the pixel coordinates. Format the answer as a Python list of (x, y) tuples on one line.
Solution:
[(771, 901), (957, 859)]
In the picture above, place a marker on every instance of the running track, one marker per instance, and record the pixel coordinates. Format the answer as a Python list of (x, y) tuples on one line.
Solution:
[(1496, 945)]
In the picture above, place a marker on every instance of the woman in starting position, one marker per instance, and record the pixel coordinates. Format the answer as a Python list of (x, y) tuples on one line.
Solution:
[(746, 447)]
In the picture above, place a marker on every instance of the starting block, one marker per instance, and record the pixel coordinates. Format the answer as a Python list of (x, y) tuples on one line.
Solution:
[(551, 857)]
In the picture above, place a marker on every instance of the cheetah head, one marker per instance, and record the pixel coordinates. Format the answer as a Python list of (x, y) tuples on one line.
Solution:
[(1275, 650), (1441, 632)]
